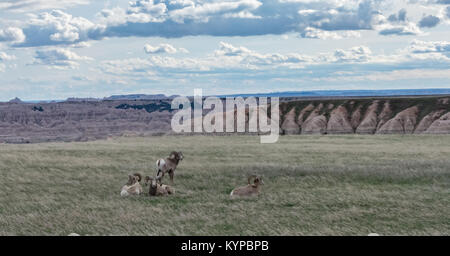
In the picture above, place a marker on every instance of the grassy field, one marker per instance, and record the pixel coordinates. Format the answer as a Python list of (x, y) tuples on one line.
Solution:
[(314, 185)]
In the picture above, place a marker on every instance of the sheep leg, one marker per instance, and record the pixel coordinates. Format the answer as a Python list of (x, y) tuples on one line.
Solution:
[(160, 172), (171, 173)]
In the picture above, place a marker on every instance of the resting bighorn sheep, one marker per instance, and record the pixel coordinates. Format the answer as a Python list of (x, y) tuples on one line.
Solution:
[(157, 189), (132, 187), (168, 165), (250, 189)]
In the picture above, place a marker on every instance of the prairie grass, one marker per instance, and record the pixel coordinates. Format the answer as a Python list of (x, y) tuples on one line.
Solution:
[(314, 185)]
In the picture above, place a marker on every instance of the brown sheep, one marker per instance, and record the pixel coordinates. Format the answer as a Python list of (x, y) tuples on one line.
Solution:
[(157, 189), (132, 187), (249, 190), (169, 165)]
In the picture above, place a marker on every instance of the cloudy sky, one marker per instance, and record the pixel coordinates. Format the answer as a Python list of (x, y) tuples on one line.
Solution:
[(53, 49)]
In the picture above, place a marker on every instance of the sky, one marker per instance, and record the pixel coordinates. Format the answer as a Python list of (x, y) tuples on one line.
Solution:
[(53, 49)]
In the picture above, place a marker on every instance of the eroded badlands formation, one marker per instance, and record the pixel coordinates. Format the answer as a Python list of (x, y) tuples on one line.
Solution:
[(365, 116), (90, 120)]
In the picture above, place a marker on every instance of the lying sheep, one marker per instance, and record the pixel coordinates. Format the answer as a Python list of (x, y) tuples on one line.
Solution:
[(168, 165), (132, 187), (250, 189), (156, 188)]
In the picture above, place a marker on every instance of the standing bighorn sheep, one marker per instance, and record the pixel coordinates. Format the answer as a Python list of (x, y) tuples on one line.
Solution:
[(250, 189), (157, 189), (168, 165), (132, 187)]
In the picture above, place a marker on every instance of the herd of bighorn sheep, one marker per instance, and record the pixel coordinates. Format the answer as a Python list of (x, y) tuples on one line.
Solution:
[(168, 165)]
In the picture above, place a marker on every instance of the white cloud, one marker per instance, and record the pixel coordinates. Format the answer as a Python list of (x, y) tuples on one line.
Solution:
[(418, 46), (11, 34), (335, 19), (163, 48), (59, 58), (148, 11), (228, 53), (5, 57), (398, 24), (407, 28), (126, 66), (112, 17), (81, 45), (326, 20), (204, 11), (355, 54), (428, 50), (33, 5), (229, 59), (186, 64), (183, 50), (226, 49), (57, 27), (429, 2), (311, 32)]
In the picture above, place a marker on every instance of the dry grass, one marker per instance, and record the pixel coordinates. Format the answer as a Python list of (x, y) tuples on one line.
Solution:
[(330, 185)]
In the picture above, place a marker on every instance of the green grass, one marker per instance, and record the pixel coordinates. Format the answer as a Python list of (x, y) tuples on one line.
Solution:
[(314, 185)]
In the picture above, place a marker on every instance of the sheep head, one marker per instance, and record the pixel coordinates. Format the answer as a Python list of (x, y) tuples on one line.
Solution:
[(149, 180), (257, 180), (132, 179), (177, 156), (138, 176), (153, 184)]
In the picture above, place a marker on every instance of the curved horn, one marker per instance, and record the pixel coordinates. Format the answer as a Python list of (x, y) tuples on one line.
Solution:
[(261, 181), (249, 177), (139, 176), (130, 180)]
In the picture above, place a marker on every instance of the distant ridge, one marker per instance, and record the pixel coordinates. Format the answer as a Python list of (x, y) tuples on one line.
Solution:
[(348, 93), (16, 100), (140, 97), (286, 94)]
